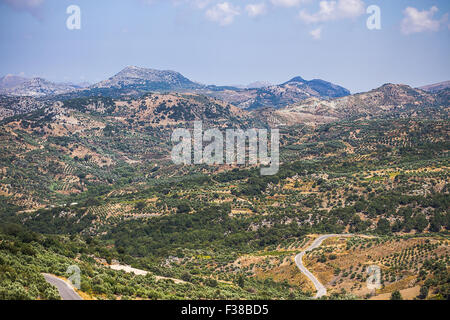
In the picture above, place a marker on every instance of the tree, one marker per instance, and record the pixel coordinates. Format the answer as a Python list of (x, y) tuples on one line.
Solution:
[(186, 277), (140, 205), (383, 226), (420, 222), (396, 295), (241, 281), (423, 292), (183, 208)]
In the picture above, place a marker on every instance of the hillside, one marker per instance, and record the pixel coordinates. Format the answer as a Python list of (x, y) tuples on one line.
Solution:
[(436, 86), (390, 100), (134, 80), (69, 146), (278, 96), (38, 87), (10, 81), (15, 105), (95, 173)]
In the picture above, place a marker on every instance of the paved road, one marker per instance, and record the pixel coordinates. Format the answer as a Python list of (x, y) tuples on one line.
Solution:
[(321, 290), (65, 290)]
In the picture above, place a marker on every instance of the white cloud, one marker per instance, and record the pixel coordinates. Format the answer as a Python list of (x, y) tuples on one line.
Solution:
[(334, 10), (31, 6), (287, 3), (416, 21), (223, 13), (199, 4), (316, 33), (256, 9)]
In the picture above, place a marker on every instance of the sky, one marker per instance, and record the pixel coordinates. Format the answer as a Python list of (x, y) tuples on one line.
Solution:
[(230, 42)]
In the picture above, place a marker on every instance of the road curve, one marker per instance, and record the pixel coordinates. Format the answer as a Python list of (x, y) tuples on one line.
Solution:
[(65, 290), (321, 290)]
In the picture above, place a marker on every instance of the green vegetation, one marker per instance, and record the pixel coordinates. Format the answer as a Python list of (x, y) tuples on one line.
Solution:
[(89, 181)]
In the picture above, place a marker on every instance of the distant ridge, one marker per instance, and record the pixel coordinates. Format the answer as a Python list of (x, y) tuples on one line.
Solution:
[(436, 86), (35, 87), (295, 90), (136, 81), (10, 81)]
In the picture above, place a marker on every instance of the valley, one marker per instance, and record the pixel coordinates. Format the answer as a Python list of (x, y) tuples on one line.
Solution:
[(86, 179)]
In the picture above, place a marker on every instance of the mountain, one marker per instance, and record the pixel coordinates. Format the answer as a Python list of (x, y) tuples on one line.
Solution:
[(36, 87), (295, 90), (80, 85), (254, 85), (134, 80), (277, 96), (10, 81), (436, 87), (390, 100), (258, 84)]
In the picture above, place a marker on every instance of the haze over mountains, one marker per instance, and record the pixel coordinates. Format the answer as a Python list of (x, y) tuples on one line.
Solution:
[(107, 132), (96, 163), (436, 87), (34, 87), (135, 81), (388, 101), (310, 99)]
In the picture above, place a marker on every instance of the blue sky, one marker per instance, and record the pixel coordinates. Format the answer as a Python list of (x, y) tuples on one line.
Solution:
[(229, 41)]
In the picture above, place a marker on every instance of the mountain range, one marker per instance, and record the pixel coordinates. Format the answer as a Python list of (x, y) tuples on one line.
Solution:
[(134, 81), (95, 134), (294, 101), (87, 179), (387, 101)]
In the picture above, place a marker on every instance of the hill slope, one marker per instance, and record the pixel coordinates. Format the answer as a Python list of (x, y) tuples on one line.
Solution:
[(436, 86), (390, 100), (134, 80), (36, 87)]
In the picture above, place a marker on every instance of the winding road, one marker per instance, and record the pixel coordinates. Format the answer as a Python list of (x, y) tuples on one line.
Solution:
[(65, 290), (321, 290)]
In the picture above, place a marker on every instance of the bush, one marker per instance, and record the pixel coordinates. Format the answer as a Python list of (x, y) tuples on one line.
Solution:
[(396, 295)]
